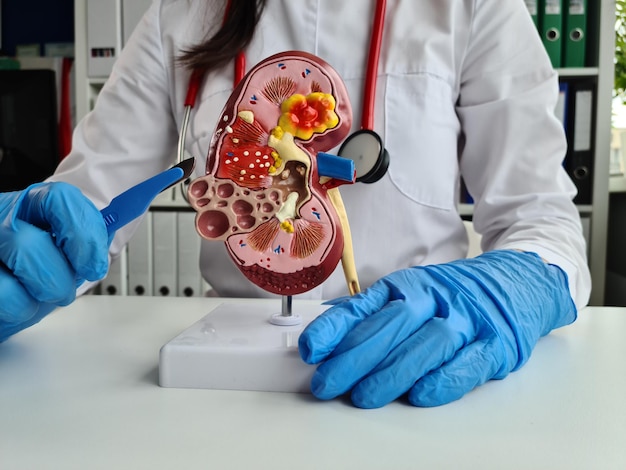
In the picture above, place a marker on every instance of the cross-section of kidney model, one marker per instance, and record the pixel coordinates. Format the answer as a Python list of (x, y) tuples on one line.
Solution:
[(283, 222)]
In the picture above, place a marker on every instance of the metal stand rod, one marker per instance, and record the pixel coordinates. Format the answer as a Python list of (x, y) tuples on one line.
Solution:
[(285, 317), (286, 306)]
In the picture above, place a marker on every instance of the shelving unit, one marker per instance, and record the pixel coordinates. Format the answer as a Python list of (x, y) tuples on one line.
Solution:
[(169, 208), (600, 56), (124, 14)]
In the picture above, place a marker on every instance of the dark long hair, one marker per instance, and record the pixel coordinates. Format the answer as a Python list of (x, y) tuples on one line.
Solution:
[(234, 35)]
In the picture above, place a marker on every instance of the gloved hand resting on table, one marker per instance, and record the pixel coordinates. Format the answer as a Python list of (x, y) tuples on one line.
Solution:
[(438, 331), (52, 238)]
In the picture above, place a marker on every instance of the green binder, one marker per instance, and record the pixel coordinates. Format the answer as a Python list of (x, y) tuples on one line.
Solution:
[(551, 27), (575, 33)]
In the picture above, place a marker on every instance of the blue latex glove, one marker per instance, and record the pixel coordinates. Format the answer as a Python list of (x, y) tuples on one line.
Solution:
[(52, 238), (436, 332)]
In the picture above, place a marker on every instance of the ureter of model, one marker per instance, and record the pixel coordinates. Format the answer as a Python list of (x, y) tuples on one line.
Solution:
[(347, 256), (283, 143)]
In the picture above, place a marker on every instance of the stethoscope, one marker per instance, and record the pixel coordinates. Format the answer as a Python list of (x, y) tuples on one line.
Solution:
[(364, 147)]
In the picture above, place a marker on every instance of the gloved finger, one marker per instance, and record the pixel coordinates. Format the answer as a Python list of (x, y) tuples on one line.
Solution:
[(472, 366), (324, 333), (41, 311), (36, 262), (17, 304), (76, 223), (427, 349), (337, 300), (367, 344)]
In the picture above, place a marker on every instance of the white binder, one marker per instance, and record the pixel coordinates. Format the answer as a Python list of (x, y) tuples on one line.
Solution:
[(103, 43), (164, 250), (115, 282), (140, 259), (189, 277)]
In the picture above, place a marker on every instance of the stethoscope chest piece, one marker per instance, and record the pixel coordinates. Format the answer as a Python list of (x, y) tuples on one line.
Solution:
[(371, 159)]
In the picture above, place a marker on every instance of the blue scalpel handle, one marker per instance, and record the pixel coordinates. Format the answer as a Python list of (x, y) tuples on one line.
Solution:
[(133, 202)]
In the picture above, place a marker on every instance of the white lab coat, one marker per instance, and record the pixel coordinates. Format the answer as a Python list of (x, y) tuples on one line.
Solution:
[(464, 87)]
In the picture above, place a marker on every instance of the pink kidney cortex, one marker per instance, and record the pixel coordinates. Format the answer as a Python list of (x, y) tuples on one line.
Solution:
[(262, 193)]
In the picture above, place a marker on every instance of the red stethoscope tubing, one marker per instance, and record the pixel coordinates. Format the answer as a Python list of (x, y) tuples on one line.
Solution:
[(369, 89)]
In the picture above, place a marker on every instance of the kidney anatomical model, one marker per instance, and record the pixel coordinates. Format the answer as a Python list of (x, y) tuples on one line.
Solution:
[(266, 193)]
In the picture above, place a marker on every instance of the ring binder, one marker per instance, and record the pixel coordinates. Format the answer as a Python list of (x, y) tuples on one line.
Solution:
[(576, 37), (551, 24), (579, 160)]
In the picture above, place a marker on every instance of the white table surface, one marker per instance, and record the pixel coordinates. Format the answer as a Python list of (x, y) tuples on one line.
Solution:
[(80, 391)]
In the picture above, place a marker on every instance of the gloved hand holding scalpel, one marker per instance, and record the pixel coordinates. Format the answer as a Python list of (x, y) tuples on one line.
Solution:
[(52, 239)]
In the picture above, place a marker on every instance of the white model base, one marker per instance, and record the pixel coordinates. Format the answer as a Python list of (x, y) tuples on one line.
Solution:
[(238, 347)]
